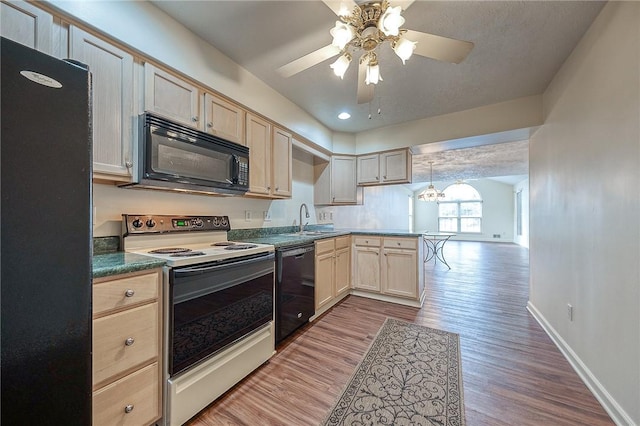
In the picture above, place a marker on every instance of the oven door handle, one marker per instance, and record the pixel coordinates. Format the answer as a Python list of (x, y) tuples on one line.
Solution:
[(197, 270)]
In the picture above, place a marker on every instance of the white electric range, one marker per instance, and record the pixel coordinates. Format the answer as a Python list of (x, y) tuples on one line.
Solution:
[(218, 306)]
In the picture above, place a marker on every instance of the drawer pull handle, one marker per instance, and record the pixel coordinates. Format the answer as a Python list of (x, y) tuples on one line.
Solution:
[(398, 243), (130, 341), (128, 408), (129, 293)]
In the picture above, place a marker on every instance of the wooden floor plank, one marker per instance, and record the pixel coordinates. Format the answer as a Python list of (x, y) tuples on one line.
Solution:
[(513, 374)]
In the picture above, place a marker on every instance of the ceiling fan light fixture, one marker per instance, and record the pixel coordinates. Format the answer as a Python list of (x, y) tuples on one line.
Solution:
[(373, 72), (404, 48), (342, 34), (391, 21), (341, 64)]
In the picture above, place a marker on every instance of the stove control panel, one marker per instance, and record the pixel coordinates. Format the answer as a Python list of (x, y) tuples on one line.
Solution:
[(145, 224)]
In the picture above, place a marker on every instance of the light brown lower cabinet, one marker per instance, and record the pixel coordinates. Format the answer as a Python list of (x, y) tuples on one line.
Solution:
[(388, 268), (332, 271), (127, 349)]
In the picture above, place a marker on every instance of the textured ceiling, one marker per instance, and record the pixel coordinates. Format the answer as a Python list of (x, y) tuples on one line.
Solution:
[(489, 161), (519, 47)]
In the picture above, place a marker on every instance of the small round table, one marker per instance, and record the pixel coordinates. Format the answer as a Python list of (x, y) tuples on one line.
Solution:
[(434, 242)]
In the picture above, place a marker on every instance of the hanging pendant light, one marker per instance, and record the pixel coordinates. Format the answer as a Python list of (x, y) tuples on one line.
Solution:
[(431, 193)]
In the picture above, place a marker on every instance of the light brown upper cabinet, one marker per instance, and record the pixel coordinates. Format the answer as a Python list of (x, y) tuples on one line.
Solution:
[(259, 143), (224, 119), (282, 162), (384, 167), (26, 24), (113, 104), (171, 97), (335, 181), (179, 100), (368, 169), (270, 152)]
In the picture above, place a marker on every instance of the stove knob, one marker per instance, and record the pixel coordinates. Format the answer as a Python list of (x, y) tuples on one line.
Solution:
[(197, 223), (224, 221), (137, 223), (151, 223), (216, 221)]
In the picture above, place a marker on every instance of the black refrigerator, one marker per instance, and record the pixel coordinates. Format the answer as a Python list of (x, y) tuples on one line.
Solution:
[(46, 239)]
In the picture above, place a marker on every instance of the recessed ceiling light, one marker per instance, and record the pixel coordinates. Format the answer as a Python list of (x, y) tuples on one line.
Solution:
[(344, 116)]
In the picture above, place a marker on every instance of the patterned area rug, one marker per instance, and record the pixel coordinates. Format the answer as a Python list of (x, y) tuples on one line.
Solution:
[(411, 375)]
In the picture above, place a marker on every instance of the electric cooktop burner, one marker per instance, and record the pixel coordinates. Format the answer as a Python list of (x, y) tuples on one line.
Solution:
[(170, 250), (223, 243), (187, 254), (240, 246)]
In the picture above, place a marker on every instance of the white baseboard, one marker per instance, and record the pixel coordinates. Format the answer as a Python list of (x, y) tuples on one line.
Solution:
[(617, 413)]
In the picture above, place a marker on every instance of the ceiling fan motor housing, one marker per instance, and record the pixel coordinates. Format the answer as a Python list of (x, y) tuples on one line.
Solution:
[(365, 20)]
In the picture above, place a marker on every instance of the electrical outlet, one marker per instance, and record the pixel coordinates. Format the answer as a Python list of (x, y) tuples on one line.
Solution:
[(330, 215), (266, 215), (247, 215), (570, 311)]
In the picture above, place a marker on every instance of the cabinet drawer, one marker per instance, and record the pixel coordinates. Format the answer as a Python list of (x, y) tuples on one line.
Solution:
[(119, 293), (140, 391), (111, 352), (401, 243), (323, 246), (367, 241), (342, 242)]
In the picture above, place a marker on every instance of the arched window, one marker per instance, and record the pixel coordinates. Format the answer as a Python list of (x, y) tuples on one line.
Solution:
[(460, 210)]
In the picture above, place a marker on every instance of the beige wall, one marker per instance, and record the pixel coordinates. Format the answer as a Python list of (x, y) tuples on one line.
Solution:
[(510, 115), (585, 210)]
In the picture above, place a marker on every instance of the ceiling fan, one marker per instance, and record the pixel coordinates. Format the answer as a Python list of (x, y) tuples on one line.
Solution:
[(366, 26)]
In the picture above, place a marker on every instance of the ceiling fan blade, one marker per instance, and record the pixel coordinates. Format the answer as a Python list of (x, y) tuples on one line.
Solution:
[(440, 48), (341, 7), (365, 91), (308, 61), (404, 4)]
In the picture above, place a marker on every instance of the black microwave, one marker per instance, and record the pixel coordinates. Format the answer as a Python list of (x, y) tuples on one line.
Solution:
[(175, 157)]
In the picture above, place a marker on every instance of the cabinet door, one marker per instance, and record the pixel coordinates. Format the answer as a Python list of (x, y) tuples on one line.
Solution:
[(399, 273), (343, 179), (281, 158), (26, 24), (112, 77), (324, 279), (368, 169), (171, 97), (224, 119), (343, 271), (395, 167), (367, 268), (259, 143)]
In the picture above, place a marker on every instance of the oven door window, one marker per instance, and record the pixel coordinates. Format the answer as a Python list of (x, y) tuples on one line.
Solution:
[(213, 306), (175, 155)]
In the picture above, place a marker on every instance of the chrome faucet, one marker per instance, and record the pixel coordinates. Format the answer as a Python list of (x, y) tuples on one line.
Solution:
[(306, 215)]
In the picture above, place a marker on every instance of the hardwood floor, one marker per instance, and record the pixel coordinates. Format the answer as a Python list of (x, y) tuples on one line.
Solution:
[(513, 374)]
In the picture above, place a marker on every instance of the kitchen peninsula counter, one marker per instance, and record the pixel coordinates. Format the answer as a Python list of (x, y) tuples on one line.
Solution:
[(287, 239)]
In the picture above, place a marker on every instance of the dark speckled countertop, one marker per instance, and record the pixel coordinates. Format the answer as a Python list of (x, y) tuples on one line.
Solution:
[(294, 239), (108, 264)]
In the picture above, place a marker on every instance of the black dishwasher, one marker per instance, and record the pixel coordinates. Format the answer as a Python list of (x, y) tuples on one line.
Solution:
[(295, 288)]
